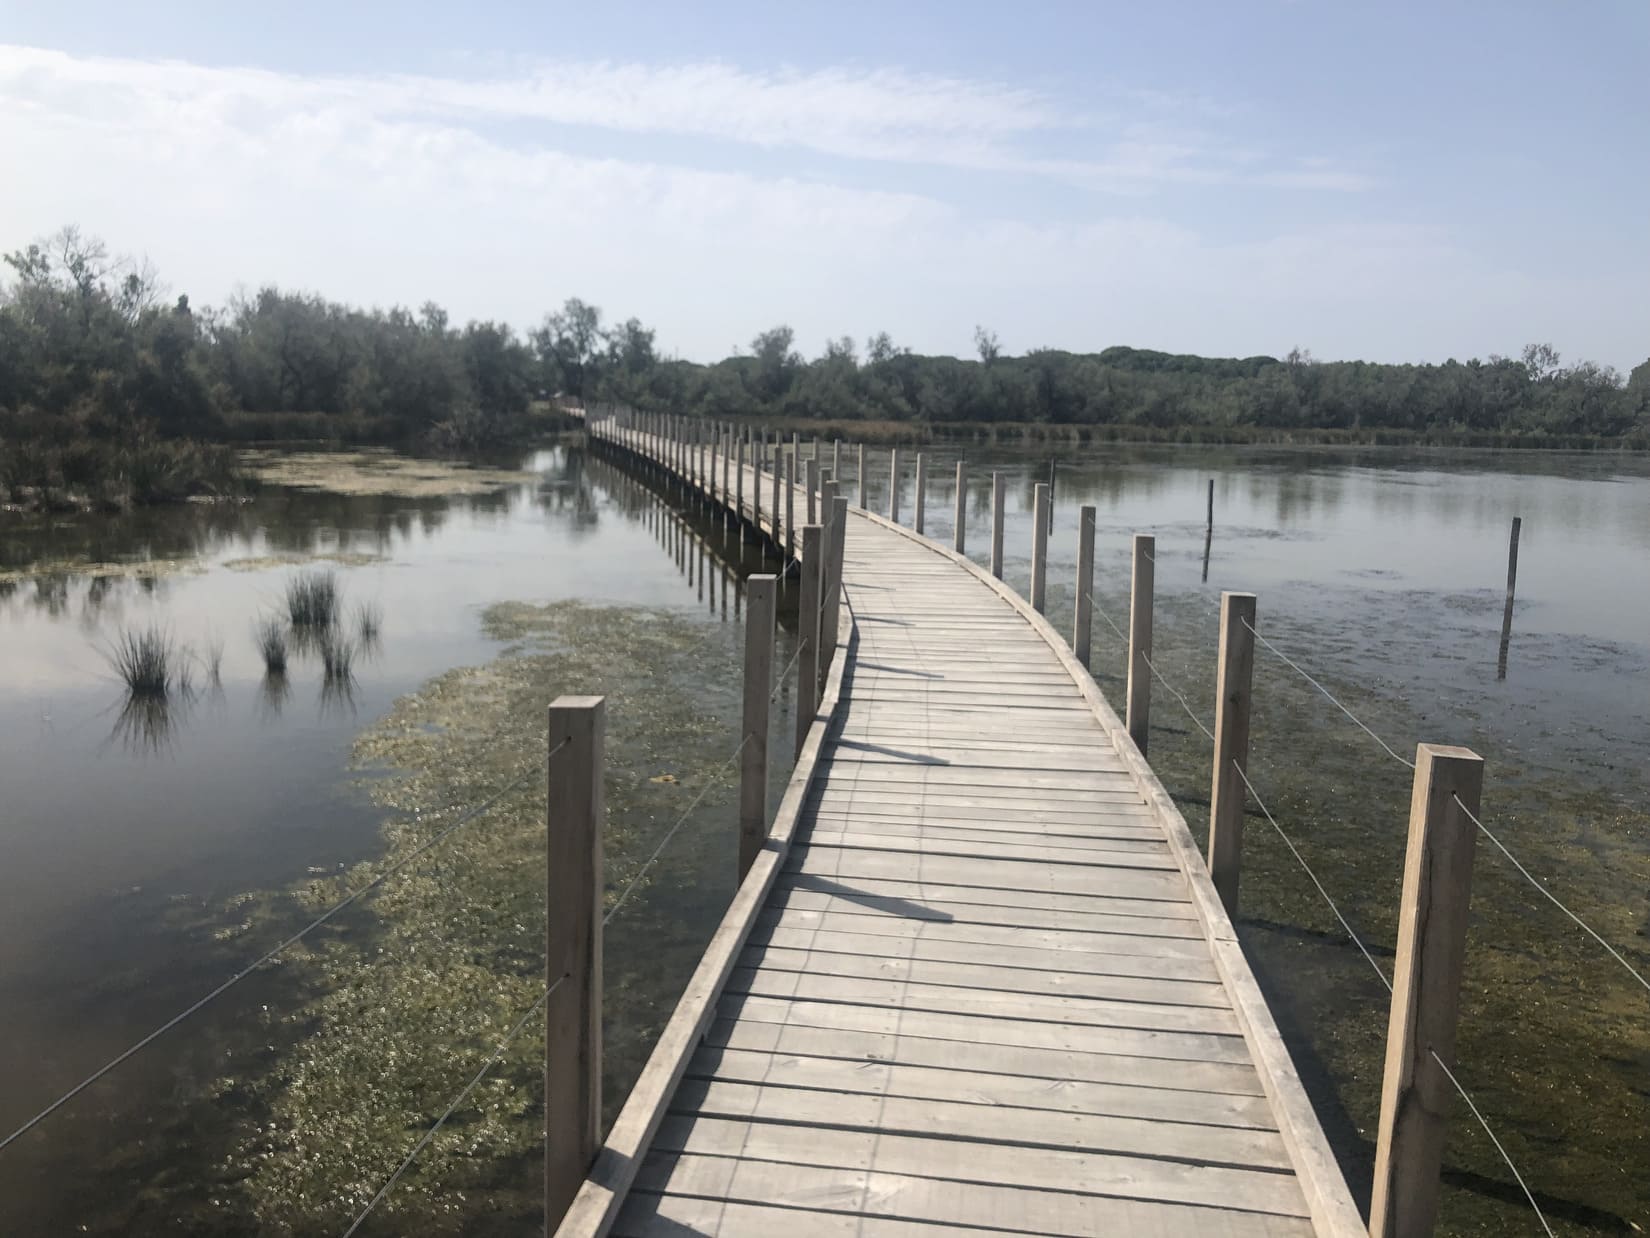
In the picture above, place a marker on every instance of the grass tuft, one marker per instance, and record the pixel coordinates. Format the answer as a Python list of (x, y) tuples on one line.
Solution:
[(337, 658), (270, 637), (150, 664), (313, 600)]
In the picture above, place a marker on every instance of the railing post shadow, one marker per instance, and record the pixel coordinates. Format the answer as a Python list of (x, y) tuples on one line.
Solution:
[(753, 755), (1233, 683), (1426, 991), (1139, 692), (573, 950)]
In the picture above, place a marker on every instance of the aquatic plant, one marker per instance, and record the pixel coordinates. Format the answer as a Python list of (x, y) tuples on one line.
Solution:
[(313, 600), (149, 663), (270, 637), (337, 657), (369, 620), (212, 657)]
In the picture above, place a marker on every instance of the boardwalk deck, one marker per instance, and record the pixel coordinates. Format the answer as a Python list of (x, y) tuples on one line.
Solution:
[(982, 984)]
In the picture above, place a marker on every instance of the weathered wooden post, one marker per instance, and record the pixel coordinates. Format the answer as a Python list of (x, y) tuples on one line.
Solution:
[(753, 756), (1082, 632), (812, 487), (893, 484), (1039, 548), (959, 532), (1233, 682), (808, 625), (836, 458), (773, 514), (1507, 611), (921, 504), (999, 492), (862, 477), (1139, 692), (1426, 990), (792, 541), (1209, 525), (739, 486), (573, 950), (756, 488), (836, 530)]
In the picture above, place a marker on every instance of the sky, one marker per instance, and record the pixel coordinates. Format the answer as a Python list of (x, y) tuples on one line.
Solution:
[(1392, 182)]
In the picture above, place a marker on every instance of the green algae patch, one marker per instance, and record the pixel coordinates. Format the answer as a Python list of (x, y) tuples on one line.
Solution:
[(409, 997), (377, 472)]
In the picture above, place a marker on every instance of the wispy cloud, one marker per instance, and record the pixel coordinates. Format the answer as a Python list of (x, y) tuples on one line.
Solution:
[(882, 116)]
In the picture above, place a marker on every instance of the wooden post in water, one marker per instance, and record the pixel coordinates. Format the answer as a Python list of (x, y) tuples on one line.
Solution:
[(893, 484), (573, 950), (1233, 683), (960, 532), (808, 614), (1082, 632), (1507, 611), (753, 755), (1209, 526), (836, 458), (1426, 989), (1039, 549), (812, 488), (999, 492), (862, 477), (1051, 495), (921, 504), (836, 531), (773, 515), (1139, 692)]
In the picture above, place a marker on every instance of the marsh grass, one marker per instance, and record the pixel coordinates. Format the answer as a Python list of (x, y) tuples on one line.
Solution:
[(211, 657), (270, 638), (150, 663), (313, 600), (337, 657), (369, 621)]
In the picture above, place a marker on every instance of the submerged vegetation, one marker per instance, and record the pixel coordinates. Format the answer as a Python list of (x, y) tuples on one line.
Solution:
[(270, 637)]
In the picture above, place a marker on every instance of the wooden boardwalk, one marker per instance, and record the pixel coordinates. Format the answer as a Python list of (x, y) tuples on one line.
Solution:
[(979, 983)]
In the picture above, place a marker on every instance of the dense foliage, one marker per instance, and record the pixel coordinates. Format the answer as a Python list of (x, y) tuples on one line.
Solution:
[(107, 390)]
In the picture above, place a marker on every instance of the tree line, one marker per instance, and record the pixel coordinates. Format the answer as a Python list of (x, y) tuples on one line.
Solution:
[(94, 354)]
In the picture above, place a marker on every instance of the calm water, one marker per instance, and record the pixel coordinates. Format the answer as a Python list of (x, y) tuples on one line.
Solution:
[(1382, 573)]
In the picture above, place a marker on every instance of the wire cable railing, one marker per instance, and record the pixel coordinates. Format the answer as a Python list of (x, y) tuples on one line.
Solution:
[(1387, 984), (268, 956), (452, 1107)]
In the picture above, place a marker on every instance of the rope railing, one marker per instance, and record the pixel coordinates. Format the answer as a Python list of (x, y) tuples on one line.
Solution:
[(1387, 985), (268, 956)]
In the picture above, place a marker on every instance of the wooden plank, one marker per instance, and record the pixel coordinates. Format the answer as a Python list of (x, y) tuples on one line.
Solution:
[(843, 1072), (930, 1117), (992, 971), (935, 900), (1082, 1174), (986, 874), (1122, 935), (862, 1046), (905, 995), (930, 942), (1121, 855)]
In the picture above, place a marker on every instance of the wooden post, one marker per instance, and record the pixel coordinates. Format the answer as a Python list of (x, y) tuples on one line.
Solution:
[(812, 487), (836, 458), (862, 477), (921, 504), (1209, 526), (1426, 988), (1082, 632), (1039, 549), (773, 515), (808, 627), (573, 950), (753, 757), (1507, 611), (1139, 693), (958, 534), (727, 475), (893, 485), (999, 491), (1051, 496), (792, 543), (836, 530), (739, 485), (1233, 682), (756, 487)]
